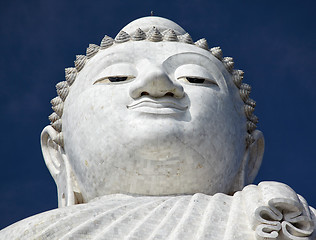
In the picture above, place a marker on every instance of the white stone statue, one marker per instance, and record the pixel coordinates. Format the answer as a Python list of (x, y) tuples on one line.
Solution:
[(153, 137)]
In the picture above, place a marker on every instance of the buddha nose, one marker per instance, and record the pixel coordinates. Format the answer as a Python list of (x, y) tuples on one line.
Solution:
[(155, 82)]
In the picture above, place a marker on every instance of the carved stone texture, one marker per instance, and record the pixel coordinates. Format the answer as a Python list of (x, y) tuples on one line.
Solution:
[(183, 217)]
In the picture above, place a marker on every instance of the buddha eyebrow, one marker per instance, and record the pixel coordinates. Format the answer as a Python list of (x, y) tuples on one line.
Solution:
[(188, 57)]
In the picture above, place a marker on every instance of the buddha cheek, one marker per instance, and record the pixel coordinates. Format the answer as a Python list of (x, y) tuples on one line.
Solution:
[(221, 131), (90, 121)]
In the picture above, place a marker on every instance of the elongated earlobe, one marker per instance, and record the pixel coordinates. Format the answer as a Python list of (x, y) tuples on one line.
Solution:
[(251, 162), (256, 150), (58, 165)]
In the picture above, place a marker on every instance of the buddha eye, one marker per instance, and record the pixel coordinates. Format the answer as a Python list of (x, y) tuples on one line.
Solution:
[(198, 80), (196, 75), (113, 79), (195, 80), (117, 79)]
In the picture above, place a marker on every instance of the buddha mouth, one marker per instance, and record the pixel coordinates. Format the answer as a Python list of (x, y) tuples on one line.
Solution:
[(163, 105)]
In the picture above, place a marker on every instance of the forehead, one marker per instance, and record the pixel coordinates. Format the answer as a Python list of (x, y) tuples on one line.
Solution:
[(167, 54), (156, 52)]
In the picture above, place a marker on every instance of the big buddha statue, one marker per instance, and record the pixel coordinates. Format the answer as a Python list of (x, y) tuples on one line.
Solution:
[(153, 136)]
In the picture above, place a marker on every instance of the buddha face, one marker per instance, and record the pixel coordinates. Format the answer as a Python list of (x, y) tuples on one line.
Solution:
[(154, 118)]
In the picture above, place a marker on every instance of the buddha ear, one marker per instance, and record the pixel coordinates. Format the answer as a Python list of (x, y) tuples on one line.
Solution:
[(251, 162), (255, 155), (58, 165)]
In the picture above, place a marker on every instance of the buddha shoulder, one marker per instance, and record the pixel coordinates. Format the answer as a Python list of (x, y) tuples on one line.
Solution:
[(270, 210)]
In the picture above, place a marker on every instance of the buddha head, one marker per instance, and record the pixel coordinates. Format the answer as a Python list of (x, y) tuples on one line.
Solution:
[(151, 112)]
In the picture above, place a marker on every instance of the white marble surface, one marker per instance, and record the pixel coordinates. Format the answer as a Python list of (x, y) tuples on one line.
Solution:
[(268, 211)]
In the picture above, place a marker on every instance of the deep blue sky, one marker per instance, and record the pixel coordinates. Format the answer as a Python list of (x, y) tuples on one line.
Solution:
[(272, 41)]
